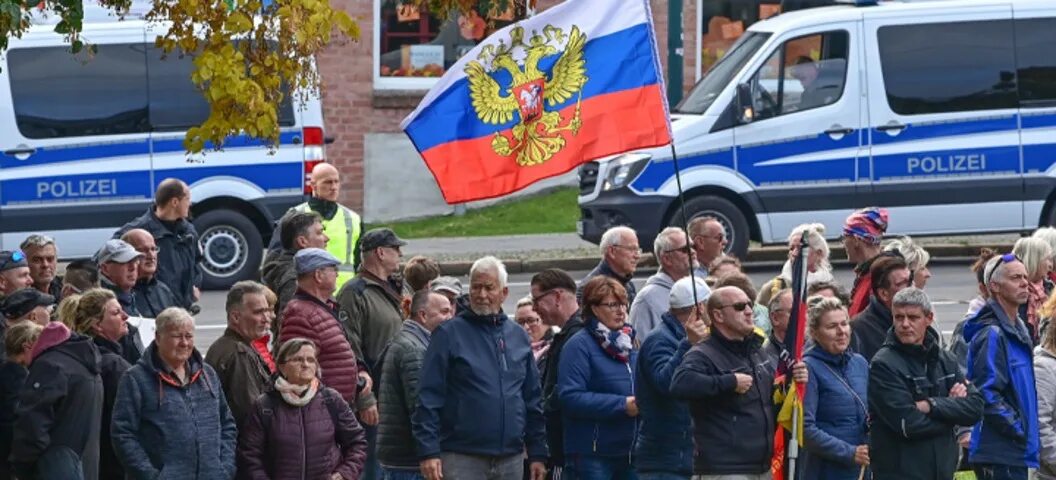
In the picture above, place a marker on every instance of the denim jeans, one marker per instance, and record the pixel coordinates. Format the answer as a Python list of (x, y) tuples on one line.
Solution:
[(986, 471), (590, 467), (395, 474), (457, 466)]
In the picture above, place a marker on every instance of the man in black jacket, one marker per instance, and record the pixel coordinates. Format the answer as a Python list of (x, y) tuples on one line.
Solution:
[(150, 294), (180, 256), (554, 299), (620, 253), (888, 276), (917, 398), (729, 382)]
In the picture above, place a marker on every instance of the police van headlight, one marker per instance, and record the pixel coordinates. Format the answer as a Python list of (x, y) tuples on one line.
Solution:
[(625, 168)]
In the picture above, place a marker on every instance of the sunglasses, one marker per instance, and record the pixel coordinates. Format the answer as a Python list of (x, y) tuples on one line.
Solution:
[(1003, 259), (739, 306), (16, 256)]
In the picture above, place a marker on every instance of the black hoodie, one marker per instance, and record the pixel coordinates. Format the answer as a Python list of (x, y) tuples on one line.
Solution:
[(60, 406)]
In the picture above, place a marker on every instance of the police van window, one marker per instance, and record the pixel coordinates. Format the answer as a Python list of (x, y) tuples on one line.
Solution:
[(1035, 61), (58, 94), (948, 67), (805, 73), (175, 102)]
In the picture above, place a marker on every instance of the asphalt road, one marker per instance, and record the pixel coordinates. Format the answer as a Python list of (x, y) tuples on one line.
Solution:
[(951, 287)]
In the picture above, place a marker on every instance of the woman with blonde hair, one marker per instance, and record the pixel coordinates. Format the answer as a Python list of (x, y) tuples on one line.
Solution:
[(916, 259), (18, 344), (1049, 235), (66, 312), (1036, 255), (818, 267)]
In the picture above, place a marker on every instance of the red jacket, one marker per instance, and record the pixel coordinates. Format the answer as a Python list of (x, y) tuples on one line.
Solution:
[(308, 317)]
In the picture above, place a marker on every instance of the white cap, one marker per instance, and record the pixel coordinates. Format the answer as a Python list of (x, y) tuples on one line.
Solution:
[(682, 292)]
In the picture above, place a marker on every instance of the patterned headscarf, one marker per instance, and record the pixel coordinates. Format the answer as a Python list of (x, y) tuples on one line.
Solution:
[(868, 224)]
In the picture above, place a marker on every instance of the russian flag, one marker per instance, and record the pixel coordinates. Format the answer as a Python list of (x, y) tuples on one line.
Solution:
[(537, 98)]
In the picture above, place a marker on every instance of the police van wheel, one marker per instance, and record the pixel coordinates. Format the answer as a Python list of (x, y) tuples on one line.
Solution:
[(231, 248), (728, 215)]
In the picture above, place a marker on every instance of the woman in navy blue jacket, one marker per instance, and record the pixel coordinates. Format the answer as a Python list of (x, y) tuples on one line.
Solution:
[(596, 387), (834, 414)]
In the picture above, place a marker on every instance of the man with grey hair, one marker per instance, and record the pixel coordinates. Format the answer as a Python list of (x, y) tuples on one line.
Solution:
[(708, 237), (243, 373), (1000, 351), (780, 311), (43, 258), (398, 382), (675, 257), (170, 382), (464, 393), (152, 296), (918, 397), (619, 258)]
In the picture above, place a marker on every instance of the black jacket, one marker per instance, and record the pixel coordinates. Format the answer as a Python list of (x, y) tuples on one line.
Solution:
[(706, 378), (398, 396), (12, 376), (60, 406), (152, 296), (111, 366), (551, 403), (127, 300), (906, 444), (869, 329), (603, 268), (180, 257)]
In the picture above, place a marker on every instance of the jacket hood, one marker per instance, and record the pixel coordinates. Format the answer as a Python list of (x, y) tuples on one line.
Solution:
[(605, 269), (750, 343), (673, 325), (54, 334), (662, 279), (158, 227), (930, 348), (276, 266), (489, 320), (80, 348), (838, 360), (151, 360), (882, 312), (108, 346), (992, 315)]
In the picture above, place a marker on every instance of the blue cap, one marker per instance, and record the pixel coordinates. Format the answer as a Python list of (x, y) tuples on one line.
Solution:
[(312, 259)]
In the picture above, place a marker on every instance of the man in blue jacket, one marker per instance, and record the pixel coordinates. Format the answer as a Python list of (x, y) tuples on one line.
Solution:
[(480, 398), (1005, 444), (664, 447)]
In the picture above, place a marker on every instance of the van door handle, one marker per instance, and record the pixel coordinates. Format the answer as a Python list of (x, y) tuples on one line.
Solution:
[(20, 151), (893, 127), (839, 131)]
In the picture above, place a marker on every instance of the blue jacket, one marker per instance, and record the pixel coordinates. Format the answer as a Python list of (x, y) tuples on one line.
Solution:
[(479, 391), (593, 388), (834, 419), (1001, 366), (162, 430), (665, 438)]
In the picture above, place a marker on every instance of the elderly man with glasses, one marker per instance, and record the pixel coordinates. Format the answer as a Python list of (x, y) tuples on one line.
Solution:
[(675, 256), (151, 295), (619, 258)]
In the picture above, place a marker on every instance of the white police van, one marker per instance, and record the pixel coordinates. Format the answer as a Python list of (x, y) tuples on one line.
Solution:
[(84, 143), (944, 112)]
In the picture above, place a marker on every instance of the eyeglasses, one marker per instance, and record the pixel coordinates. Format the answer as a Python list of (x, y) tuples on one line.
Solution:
[(631, 249), (16, 256), (536, 300), (684, 249), (739, 306), (1003, 259), (528, 321), (613, 306), (154, 249)]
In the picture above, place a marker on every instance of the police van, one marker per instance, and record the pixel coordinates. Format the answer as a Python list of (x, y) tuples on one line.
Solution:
[(943, 112), (85, 139)]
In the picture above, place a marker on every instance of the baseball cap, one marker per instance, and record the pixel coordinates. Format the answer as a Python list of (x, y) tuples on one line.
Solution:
[(23, 301), (447, 284), (12, 259), (682, 292), (118, 251), (379, 237), (312, 259)]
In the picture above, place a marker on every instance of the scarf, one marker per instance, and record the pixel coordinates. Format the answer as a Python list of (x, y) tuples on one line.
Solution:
[(615, 343), (296, 395), (325, 208), (540, 348)]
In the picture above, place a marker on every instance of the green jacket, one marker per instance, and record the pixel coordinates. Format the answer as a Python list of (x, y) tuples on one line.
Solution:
[(371, 316), (398, 396), (243, 373)]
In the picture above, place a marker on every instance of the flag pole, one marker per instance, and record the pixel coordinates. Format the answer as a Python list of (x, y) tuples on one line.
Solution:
[(799, 294), (685, 222)]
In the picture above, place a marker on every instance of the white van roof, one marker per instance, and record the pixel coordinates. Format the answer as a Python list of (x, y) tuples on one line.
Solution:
[(843, 13)]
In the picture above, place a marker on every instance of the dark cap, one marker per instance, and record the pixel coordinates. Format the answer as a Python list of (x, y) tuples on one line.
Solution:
[(312, 259), (379, 237), (12, 259), (23, 301)]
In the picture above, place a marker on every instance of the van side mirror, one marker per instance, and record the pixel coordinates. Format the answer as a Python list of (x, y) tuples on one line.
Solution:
[(745, 110)]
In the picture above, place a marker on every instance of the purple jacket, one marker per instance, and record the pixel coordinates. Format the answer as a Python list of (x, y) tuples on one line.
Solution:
[(301, 442)]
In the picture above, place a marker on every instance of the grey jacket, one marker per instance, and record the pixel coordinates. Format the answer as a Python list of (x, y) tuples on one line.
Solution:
[(1045, 376), (651, 303), (398, 396)]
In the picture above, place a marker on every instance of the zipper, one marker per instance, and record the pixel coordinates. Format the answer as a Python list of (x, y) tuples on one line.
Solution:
[(595, 437), (634, 438), (304, 446), (502, 388)]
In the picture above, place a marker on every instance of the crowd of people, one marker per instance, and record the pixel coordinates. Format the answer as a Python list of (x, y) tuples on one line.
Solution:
[(347, 362)]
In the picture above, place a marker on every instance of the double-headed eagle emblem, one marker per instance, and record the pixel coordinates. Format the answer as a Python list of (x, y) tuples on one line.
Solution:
[(539, 135)]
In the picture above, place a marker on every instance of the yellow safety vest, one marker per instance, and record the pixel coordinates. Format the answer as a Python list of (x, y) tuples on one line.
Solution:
[(343, 232)]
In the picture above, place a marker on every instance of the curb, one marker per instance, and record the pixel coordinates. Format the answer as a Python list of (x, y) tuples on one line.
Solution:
[(759, 259)]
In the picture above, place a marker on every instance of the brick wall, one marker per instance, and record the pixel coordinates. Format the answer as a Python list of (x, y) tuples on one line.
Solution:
[(352, 108)]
